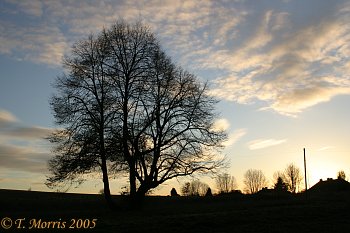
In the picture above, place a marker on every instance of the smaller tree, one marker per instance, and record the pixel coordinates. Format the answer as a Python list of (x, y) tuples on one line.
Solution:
[(293, 177), (173, 192), (194, 188), (280, 185), (254, 181), (185, 189), (203, 189), (225, 183), (341, 175), (208, 193), (84, 109)]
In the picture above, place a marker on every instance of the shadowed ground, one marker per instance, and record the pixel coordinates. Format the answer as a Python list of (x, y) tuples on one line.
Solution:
[(319, 213)]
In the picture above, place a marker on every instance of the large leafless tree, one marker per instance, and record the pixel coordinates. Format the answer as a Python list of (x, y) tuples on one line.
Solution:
[(156, 121), (166, 116), (84, 109)]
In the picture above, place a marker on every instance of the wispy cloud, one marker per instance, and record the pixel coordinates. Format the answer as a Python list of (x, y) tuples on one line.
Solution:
[(234, 137), (297, 100), (33, 7), (263, 143), (6, 117), (22, 147), (39, 44), (11, 127), (288, 60), (325, 148), (27, 133), (221, 124), (23, 158), (183, 26), (291, 70)]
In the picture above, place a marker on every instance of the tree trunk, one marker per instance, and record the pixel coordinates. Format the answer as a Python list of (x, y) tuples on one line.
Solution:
[(132, 178), (136, 198), (106, 190)]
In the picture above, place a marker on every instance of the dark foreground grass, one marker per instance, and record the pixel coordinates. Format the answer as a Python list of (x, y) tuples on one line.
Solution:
[(328, 213)]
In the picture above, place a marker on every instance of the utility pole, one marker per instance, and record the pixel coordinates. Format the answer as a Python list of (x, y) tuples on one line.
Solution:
[(305, 171)]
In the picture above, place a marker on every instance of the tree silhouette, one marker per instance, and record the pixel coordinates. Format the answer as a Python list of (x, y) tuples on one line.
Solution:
[(209, 193), (124, 103), (225, 183), (84, 108), (185, 189), (293, 177), (254, 181), (166, 115), (173, 192), (341, 175), (194, 188), (280, 186)]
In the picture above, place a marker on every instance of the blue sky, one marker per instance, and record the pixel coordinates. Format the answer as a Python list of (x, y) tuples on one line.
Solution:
[(280, 69)]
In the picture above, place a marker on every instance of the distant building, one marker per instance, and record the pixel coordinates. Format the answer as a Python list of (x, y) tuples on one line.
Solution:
[(330, 185)]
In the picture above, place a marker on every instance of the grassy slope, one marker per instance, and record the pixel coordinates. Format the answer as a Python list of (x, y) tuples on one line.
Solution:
[(168, 214)]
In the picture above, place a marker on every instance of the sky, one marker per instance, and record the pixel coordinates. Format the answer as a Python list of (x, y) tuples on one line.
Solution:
[(279, 68)]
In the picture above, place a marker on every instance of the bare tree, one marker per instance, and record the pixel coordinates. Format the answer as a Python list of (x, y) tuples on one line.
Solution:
[(341, 175), (254, 181), (225, 183), (194, 188), (186, 189), (124, 103), (293, 177), (84, 109), (203, 188), (166, 116)]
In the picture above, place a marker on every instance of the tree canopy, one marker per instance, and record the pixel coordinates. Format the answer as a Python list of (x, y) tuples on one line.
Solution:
[(124, 106), (254, 181)]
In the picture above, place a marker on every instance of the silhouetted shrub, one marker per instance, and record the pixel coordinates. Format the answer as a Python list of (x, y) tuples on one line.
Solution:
[(280, 185), (208, 193), (173, 192)]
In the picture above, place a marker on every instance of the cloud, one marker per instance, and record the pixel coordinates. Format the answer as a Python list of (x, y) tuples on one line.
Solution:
[(325, 148), (181, 25), (39, 44), (27, 133), (234, 137), (33, 7), (23, 159), (263, 143), (299, 99), (221, 124), (11, 127), (6, 118), (291, 70), (22, 147), (259, 53), (261, 37)]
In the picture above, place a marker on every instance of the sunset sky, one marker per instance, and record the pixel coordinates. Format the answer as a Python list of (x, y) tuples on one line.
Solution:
[(280, 68)]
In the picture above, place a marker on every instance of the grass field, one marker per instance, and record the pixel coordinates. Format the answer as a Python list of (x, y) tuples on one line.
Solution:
[(327, 213)]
